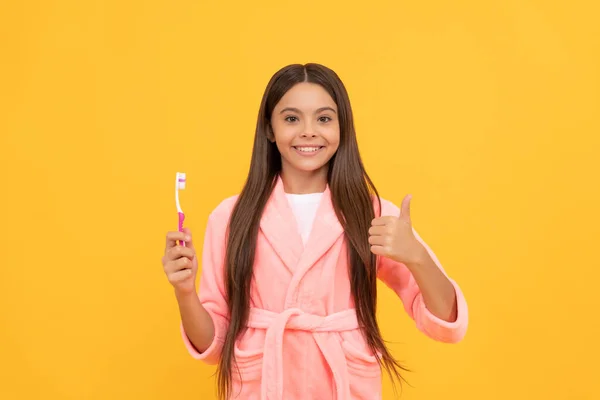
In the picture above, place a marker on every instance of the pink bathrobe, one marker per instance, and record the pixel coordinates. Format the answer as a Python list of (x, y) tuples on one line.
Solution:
[(302, 340)]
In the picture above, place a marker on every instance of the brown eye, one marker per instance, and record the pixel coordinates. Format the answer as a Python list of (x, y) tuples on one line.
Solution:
[(291, 119), (324, 119)]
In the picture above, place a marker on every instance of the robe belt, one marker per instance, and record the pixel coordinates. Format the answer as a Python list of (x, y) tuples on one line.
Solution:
[(296, 319)]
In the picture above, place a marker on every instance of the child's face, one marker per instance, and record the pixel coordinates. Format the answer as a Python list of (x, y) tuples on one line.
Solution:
[(306, 128)]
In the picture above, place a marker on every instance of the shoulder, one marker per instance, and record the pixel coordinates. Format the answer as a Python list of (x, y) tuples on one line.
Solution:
[(218, 219), (388, 208), (223, 210)]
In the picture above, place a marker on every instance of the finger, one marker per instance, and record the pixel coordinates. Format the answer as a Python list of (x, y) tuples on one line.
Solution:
[(174, 237), (178, 265), (382, 221), (405, 208), (378, 230), (180, 276), (378, 240), (179, 251), (378, 250)]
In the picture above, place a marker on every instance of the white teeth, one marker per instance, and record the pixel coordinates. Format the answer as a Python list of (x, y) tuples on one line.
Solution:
[(307, 149)]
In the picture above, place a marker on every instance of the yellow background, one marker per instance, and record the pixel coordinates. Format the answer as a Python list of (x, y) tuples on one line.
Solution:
[(487, 111)]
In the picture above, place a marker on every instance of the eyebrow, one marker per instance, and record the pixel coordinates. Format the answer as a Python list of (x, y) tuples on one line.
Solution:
[(293, 109)]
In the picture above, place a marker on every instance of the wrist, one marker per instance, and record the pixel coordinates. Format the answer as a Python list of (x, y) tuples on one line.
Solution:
[(184, 295), (420, 259)]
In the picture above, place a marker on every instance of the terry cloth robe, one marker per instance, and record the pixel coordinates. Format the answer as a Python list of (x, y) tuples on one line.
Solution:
[(302, 339)]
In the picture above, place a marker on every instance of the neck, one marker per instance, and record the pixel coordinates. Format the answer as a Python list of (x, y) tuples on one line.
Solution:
[(302, 182)]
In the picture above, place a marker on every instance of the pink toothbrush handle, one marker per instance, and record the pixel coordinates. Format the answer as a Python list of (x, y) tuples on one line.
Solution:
[(181, 219)]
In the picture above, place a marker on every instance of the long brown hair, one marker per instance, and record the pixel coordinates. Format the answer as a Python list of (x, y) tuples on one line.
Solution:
[(352, 194)]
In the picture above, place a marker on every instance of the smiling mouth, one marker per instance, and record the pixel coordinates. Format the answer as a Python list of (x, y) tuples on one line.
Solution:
[(308, 149)]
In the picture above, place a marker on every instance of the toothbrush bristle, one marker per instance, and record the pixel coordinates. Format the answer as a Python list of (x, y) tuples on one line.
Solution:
[(181, 180)]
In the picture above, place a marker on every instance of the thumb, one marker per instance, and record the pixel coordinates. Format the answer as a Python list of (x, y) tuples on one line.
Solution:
[(405, 208), (189, 241)]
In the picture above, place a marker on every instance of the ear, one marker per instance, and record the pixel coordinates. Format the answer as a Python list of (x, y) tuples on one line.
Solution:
[(270, 134)]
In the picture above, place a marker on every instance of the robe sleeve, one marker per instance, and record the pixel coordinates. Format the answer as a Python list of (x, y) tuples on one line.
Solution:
[(399, 279), (212, 289)]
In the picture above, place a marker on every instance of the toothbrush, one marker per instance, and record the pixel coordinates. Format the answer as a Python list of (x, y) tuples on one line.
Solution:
[(180, 185)]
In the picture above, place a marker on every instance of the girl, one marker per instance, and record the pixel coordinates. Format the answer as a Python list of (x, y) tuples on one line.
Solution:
[(287, 297)]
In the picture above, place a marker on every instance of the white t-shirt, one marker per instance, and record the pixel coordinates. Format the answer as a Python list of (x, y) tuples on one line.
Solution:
[(305, 208)]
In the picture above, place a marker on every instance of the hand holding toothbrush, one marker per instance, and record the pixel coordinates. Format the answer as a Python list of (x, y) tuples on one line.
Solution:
[(179, 262)]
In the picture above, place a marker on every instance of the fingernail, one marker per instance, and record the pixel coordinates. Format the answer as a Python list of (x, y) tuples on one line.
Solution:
[(187, 238)]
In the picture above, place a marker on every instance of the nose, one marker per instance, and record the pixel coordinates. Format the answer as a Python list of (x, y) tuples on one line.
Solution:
[(308, 131)]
